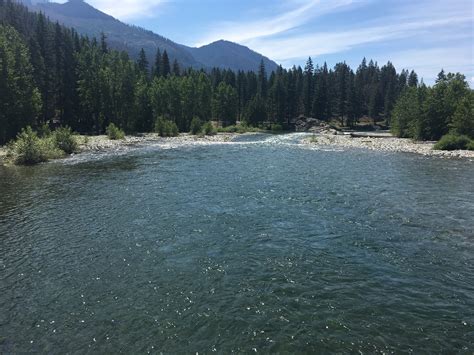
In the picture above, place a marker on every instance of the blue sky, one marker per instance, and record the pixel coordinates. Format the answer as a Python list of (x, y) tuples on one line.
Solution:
[(425, 35)]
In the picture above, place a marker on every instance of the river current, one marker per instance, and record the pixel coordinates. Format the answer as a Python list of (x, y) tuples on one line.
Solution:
[(256, 245)]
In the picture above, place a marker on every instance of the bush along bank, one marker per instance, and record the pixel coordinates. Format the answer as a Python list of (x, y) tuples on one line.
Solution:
[(29, 148)]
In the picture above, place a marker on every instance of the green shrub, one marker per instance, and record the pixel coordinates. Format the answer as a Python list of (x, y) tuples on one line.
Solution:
[(29, 149), (166, 128), (114, 133), (228, 129), (208, 129), (470, 145), (64, 140), (44, 131), (196, 126), (452, 142), (276, 127)]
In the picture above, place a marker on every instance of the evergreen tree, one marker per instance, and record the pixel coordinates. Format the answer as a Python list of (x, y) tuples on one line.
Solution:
[(165, 65), (262, 80), (413, 79), (176, 69), (143, 63), (308, 87), (224, 104), (157, 67), (19, 98)]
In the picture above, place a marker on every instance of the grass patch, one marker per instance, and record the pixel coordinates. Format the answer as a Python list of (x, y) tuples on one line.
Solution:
[(114, 132), (453, 142)]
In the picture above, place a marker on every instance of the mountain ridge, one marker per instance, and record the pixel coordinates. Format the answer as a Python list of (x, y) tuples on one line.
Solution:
[(89, 21)]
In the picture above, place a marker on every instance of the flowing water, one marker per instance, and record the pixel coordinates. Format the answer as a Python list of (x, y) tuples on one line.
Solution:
[(258, 245)]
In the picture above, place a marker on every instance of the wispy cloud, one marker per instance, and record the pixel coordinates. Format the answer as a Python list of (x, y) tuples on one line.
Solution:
[(244, 31), (321, 43), (126, 9)]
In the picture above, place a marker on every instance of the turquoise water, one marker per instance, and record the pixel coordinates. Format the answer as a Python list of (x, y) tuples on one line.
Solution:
[(258, 245)]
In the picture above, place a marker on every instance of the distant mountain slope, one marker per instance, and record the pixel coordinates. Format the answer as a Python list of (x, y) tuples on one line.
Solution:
[(225, 54), (89, 21)]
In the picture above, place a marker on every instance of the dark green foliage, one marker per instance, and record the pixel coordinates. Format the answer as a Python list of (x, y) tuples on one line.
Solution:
[(65, 140), (208, 129), (430, 113), (44, 130), (453, 142), (405, 114), (114, 132), (463, 117), (196, 126), (256, 111), (276, 128), (241, 128), (166, 128), (20, 101), (29, 149), (49, 74), (224, 104)]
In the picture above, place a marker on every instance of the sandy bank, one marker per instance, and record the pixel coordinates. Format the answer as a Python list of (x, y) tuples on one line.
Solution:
[(386, 144)]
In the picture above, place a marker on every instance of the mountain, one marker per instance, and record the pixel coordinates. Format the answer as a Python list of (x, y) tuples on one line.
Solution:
[(89, 21), (224, 54)]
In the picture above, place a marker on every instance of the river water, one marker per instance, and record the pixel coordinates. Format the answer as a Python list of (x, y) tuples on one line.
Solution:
[(258, 245)]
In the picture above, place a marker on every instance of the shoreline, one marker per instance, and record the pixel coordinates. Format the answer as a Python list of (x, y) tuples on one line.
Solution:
[(394, 144), (101, 143)]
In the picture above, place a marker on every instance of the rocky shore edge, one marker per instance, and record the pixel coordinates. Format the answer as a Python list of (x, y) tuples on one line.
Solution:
[(90, 144), (385, 144)]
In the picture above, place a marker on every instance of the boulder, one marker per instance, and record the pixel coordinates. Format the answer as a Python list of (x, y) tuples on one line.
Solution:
[(309, 124)]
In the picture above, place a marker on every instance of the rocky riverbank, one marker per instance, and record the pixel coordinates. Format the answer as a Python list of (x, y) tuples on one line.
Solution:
[(385, 144), (103, 143)]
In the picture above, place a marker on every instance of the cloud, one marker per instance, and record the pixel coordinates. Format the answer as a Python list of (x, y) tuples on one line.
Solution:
[(244, 31), (425, 39), (126, 9), (322, 43)]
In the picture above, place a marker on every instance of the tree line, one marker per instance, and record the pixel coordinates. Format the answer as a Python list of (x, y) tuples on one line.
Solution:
[(51, 74), (429, 113)]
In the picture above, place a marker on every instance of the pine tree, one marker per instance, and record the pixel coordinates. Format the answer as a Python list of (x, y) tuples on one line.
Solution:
[(176, 69), (224, 104), (143, 63), (19, 98), (262, 80), (308, 87), (157, 66), (165, 67), (413, 79)]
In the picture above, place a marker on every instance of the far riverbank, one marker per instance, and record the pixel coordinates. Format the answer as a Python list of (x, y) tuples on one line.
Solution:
[(392, 144)]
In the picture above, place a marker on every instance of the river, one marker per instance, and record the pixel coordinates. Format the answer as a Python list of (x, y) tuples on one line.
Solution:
[(257, 245)]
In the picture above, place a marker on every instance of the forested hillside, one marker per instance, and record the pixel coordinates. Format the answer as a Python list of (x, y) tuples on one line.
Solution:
[(50, 74), (92, 22)]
